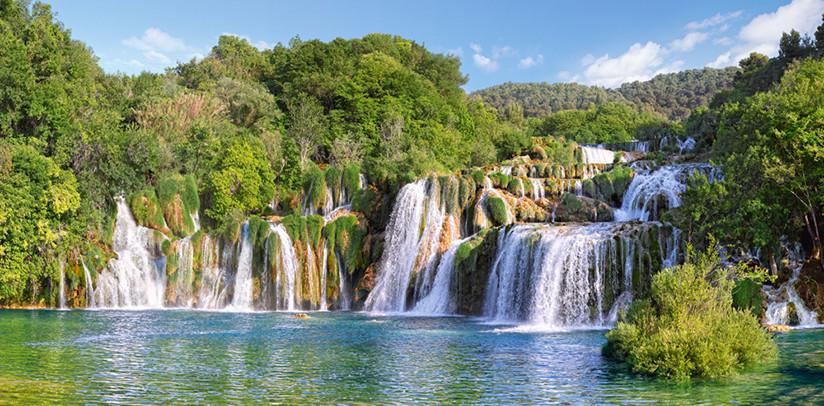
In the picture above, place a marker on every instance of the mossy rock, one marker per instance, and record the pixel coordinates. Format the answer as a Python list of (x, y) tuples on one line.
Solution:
[(498, 211), (516, 187)]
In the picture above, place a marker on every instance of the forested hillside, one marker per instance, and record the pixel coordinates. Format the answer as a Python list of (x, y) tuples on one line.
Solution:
[(672, 95)]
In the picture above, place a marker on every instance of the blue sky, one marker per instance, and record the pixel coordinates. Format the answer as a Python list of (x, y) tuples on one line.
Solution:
[(600, 43)]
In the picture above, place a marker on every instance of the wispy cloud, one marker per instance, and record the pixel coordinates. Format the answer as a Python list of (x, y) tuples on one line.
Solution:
[(762, 33), (689, 41), (639, 62), (158, 48), (717, 19), (530, 62)]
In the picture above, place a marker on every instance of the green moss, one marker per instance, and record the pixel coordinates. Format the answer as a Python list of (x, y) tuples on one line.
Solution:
[(351, 179), (498, 210), (258, 231), (333, 177), (468, 185), (346, 235), (499, 180), (516, 186), (571, 202), (146, 209), (314, 187), (478, 176)]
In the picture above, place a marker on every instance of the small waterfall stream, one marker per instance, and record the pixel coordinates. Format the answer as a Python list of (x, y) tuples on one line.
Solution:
[(242, 297), (89, 286), (136, 278), (62, 295)]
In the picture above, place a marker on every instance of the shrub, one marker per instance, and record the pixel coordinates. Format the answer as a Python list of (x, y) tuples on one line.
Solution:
[(689, 328)]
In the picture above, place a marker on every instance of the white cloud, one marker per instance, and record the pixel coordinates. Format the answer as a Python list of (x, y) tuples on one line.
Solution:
[(588, 59), (725, 41), (713, 21), (689, 41), (763, 33), (566, 76), (154, 39), (640, 62), (529, 62), (721, 61), (503, 52), (475, 48), (156, 47), (485, 63)]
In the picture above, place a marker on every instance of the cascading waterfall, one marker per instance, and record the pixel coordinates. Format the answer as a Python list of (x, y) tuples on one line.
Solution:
[(779, 298), (212, 293), (242, 297), (136, 278), (538, 189), (89, 288), (185, 273), (651, 190), (565, 276), (344, 298), (62, 295), (598, 156), (400, 252), (286, 269), (441, 300), (324, 268)]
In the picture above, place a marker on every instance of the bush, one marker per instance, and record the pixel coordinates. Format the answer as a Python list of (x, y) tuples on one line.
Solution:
[(689, 328)]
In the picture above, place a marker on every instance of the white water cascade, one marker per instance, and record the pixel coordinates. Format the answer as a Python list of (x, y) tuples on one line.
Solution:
[(441, 300), (136, 278), (242, 297), (89, 287), (62, 296), (565, 276), (651, 190), (286, 270), (400, 252), (598, 156), (779, 298), (212, 294), (538, 189)]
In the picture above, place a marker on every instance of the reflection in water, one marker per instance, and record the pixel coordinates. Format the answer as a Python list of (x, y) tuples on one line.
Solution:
[(189, 356)]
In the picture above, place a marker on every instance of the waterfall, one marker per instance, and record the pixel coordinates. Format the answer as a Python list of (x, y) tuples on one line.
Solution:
[(185, 273), (598, 156), (89, 287), (323, 269), (242, 297), (286, 269), (565, 276), (343, 294), (212, 293), (779, 298), (687, 144), (651, 190), (136, 278), (440, 300), (62, 295), (538, 189), (400, 250)]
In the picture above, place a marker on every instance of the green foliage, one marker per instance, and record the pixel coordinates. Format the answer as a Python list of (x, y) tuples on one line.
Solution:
[(38, 207), (147, 210), (747, 295), (688, 328), (314, 187), (606, 123), (346, 235), (672, 95), (243, 179)]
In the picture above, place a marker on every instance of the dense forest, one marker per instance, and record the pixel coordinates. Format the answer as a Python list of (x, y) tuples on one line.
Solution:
[(670, 95)]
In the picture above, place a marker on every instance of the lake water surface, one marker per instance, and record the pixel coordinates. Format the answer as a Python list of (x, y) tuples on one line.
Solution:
[(176, 356)]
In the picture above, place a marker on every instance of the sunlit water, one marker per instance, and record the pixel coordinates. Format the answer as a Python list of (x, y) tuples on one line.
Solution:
[(189, 356)]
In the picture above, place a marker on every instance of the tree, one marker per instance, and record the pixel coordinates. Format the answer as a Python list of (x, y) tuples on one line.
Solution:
[(819, 38), (242, 180), (306, 126)]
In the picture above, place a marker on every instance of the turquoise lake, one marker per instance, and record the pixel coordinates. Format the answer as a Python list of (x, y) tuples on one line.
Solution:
[(176, 356)]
